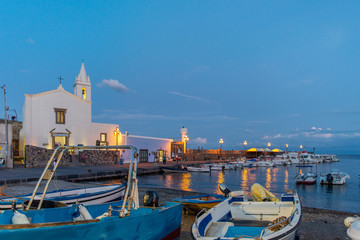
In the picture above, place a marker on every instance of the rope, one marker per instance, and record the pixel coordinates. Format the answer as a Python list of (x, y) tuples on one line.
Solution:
[(279, 226)]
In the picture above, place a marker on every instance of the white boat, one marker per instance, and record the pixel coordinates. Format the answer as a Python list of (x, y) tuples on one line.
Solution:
[(335, 177), (308, 158), (264, 164), (238, 218), (305, 178), (85, 196), (353, 225), (198, 169), (292, 156)]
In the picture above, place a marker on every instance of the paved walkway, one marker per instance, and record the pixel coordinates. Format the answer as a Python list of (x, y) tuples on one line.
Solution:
[(83, 173)]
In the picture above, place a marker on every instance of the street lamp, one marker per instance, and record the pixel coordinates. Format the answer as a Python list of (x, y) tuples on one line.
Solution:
[(301, 148), (6, 125), (117, 133), (245, 143), (286, 146), (186, 139), (269, 144), (221, 143)]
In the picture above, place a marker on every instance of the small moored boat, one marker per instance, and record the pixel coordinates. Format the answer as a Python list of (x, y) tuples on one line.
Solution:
[(177, 169), (194, 204), (198, 169), (237, 218), (305, 178), (335, 177), (85, 196)]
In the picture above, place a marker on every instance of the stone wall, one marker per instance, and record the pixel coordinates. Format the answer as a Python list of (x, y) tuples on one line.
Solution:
[(97, 157), (37, 157)]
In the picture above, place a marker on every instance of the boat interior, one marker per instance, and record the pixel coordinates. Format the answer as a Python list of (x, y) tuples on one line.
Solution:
[(246, 219)]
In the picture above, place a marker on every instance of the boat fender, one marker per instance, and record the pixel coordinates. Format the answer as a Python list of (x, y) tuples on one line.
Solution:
[(85, 213), (350, 220), (19, 218), (77, 216)]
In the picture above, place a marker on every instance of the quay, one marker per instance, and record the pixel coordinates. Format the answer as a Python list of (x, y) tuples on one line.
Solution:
[(86, 173)]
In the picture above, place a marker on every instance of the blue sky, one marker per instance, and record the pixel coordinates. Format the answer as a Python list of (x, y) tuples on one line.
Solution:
[(284, 72)]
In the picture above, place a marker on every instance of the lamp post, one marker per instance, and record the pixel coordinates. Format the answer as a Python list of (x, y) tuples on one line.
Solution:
[(301, 148), (245, 143), (269, 144), (186, 139), (6, 125), (221, 143), (286, 147)]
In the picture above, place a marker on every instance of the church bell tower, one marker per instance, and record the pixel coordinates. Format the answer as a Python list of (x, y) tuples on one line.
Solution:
[(82, 86)]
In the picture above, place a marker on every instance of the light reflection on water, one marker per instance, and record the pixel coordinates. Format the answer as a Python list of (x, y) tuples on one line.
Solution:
[(186, 182), (221, 179), (276, 180)]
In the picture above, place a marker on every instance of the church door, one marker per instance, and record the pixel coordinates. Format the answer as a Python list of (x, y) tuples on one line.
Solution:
[(60, 139)]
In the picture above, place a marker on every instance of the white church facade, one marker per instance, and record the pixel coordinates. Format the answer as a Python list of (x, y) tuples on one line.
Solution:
[(59, 117)]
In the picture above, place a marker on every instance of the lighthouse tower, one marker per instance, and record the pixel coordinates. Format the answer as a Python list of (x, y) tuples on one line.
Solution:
[(183, 132)]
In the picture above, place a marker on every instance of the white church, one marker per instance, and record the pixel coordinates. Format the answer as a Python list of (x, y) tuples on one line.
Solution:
[(59, 117)]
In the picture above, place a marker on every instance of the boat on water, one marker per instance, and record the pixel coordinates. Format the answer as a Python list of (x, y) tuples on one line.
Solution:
[(305, 178), (85, 196), (262, 218), (264, 164), (194, 204), (117, 220), (198, 169), (176, 169), (335, 177)]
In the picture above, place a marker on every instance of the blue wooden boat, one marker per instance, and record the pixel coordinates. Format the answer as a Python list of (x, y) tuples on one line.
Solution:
[(110, 221), (194, 204), (86, 196), (58, 223)]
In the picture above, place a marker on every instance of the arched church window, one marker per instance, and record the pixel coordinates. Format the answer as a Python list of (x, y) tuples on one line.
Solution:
[(83, 92)]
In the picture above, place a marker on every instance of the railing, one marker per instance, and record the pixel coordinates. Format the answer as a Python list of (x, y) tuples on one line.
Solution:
[(196, 219), (49, 173), (278, 223)]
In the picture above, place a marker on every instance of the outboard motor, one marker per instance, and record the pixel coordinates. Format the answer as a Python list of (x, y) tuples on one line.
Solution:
[(151, 199), (329, 178), (224, 189)]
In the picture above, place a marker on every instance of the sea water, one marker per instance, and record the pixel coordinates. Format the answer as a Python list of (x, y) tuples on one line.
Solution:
[(275, 179)]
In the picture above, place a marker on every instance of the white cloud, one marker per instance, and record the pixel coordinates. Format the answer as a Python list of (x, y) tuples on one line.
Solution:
[(323, 135), (320, 129), (199, 140), (190, 97), (113, 84), (313, 128), (30, 40), (329, 129)]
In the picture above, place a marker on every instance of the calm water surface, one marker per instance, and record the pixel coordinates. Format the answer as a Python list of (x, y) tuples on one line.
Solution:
[(277, 180)]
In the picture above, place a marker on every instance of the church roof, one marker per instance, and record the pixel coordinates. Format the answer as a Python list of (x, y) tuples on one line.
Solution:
[(59, 89)]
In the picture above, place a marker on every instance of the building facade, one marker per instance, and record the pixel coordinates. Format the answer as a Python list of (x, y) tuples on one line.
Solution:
[(59, 117)]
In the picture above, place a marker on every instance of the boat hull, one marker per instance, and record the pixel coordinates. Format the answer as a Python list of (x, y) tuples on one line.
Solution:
[(194, 204), (85, 196), (142, 224)]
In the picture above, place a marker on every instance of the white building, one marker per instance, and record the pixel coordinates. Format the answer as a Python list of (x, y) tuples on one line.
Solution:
[(59, 117)]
